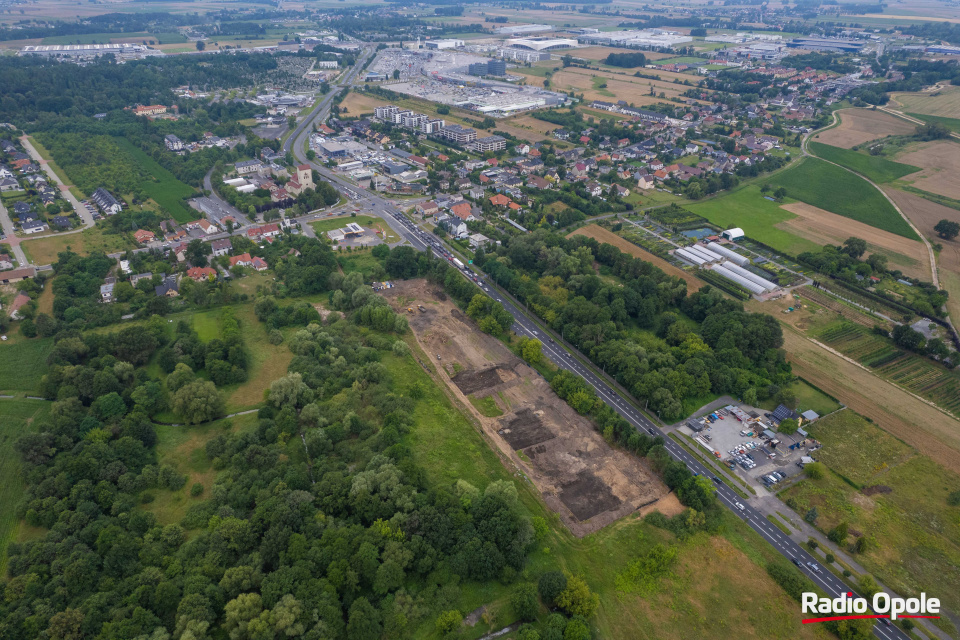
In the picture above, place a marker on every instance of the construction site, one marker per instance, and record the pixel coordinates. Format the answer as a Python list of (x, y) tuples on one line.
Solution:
[(588, 483)]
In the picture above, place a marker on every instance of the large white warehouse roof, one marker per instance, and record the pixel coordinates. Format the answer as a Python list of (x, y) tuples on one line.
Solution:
[(542, 44)]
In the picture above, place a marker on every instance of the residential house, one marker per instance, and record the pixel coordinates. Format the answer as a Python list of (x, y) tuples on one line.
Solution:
[(623, 192), (6, 262), (33, 226), (137, 277), (221, 247), (106, 291), (248, 166), (478, 240), (16, 275), (61, 222), (463, 211), (169, 288), (143, 236), (9, 184), (645, 182), (243, 260), (266, 231), (106, 202), (428, 208), (594, 189), (500, 200), (538, 183), (173, 143), (198, 274), (14, 309)]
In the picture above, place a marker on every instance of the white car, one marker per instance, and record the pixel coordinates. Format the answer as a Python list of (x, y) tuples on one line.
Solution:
[(739, 506)]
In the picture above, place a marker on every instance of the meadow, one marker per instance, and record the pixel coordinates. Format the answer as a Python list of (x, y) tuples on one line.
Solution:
[(23, 364), (877, 168), (104, 38), (747, 208), (820, 184), (44, 250), (885, 490), (167, 191)]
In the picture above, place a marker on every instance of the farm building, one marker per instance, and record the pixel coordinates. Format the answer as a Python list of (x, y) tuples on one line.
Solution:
[(733, 234)]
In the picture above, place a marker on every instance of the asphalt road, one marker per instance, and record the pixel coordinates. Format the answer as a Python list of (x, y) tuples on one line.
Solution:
[(525, 325)]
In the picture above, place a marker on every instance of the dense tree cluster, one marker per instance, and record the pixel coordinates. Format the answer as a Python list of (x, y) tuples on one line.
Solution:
[(659, 343), (320, 523)]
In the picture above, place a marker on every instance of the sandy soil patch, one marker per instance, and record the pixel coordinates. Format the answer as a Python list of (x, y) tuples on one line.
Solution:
[(356, 103), (894, 410), (861, 125), (602, 235), (823, 227), (588, 483), (940, 160)]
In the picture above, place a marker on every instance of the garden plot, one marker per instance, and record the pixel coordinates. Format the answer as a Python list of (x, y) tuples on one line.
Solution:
[(588, 483)]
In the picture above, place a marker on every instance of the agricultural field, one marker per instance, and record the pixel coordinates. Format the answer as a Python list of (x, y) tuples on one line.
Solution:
[(862, 125), (910, 371), (820, 184), (17, 417), (823, 227), (167, 191), (44, 250), (103, 38), (877, 168), (940, 161), (944, 103), (624, 86), (848, 312), (884, 489), (761, 219)]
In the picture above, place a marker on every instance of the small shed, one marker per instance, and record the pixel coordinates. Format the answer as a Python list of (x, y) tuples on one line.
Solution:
[(769, 434), (806, 460), (810, 415)]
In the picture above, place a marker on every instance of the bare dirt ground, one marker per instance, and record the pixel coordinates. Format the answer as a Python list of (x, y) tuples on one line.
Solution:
[(823, 227), (861, 125), (940, 160), (602, 235), (357, 103), (581, 477)]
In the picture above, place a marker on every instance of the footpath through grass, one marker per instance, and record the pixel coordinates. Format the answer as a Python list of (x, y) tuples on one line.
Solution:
[(877, 168), (822, 185)]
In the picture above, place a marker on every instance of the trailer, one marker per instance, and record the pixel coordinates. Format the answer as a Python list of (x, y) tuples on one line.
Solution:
[(458, 263)]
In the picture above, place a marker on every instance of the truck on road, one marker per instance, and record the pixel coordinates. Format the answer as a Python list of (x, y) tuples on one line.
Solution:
[(458, 263)]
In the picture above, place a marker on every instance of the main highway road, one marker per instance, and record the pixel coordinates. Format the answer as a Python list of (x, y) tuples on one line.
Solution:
[(571, 360)]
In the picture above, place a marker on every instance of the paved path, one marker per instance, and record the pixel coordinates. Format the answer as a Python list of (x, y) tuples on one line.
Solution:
[(11, 238), (83, 213)]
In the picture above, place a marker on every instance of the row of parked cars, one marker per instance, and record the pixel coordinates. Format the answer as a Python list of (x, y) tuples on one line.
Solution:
[(745, 460), (773, 478)]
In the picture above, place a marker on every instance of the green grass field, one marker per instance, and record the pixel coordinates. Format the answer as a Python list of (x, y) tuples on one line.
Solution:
[(808, 398), (918, 534), (167, 191), (950, 123), (876, 168), (820, 184), (746, 207), (16, 418), (103, 38), (487, 406), (23, 364)]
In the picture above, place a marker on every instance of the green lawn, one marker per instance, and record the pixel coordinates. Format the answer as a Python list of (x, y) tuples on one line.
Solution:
[(104, 38), (877, 168), (746, 207), (16, 418), (167, 191), (918, 534), (808, 398), (487, 406), (822, 185), (23, 364)]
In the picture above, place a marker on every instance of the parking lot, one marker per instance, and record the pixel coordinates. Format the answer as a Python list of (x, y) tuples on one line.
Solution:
[(744, 445)]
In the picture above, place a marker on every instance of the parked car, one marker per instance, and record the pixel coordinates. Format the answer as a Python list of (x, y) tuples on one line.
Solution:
[(740, 506)]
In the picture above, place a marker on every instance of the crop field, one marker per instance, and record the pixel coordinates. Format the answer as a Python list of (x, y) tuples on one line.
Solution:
[(829, 302), (623, 86), (862, 125), (17, 417), (915, 373), (886, 490), (944, 103), (940, 161), (877, 168), (761, 219), (167, 191), (103, 38), (823, 227), (819, 183)]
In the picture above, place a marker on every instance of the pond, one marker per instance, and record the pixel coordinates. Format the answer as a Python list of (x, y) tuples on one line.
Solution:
[(699, 234)]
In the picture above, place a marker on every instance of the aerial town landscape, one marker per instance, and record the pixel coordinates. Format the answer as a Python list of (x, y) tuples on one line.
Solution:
[(507, 319)]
